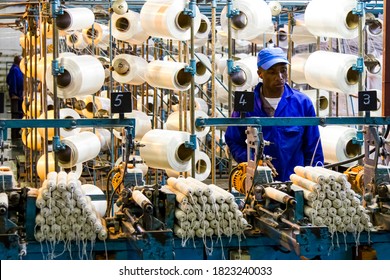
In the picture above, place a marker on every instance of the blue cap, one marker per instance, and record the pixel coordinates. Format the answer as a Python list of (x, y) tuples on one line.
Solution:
[(268, 57)]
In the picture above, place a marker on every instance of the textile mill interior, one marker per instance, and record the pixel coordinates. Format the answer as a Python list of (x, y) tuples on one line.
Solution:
[(194, 130)]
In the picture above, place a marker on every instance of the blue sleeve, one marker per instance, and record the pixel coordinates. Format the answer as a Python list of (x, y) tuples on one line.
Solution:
[(235, 139), (15, 82), (12, 82), (312, 148)]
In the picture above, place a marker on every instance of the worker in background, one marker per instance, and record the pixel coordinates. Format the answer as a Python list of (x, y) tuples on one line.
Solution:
[(15, 89), (290, 145)]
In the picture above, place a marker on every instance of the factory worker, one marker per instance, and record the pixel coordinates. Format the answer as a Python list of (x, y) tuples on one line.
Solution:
[(15, 82), (290, 145)]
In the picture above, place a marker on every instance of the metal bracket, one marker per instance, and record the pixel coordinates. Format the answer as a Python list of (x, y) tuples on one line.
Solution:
[(230, 11), (191, 11), (57, 144), (192, 143), (56, 8), (232, 69), (359, 138), (360, 7), (191, 68), (359, 66), (56, 69)]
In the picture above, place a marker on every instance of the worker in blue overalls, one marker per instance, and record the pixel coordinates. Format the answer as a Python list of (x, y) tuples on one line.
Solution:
[(290, 145), (15, 82)]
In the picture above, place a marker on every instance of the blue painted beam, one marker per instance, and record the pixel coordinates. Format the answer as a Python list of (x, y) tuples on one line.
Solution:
[(284, 121), (33, 123)]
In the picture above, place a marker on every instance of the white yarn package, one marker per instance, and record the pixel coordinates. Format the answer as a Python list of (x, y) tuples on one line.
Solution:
[(332, 71), (140, 166), (168, 75), (332, 18), (120, 7), (41, 169), (76, 40), (166, 149), (298, 62), (173, 122), (204, 210), (147, 103), (79, 148), (201, 104), (104, 136), (220, 63), (204, 28), (127, 27), (202, 167), (96, 106), (99, 35), (254, 19), (247, 77), (378, 112), (66, 213), (337, 143), (266, 36), (323, 100), (64, 113), (222, 93), (129, 69), (33, 141), (49, 59), (83, 75), (142, 124), (105, 61), (100, 205), (302, 36), (203, 68), (75, 19), (336, 205), (166, 19)]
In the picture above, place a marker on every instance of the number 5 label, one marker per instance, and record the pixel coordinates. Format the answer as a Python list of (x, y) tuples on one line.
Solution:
[(121, 102)]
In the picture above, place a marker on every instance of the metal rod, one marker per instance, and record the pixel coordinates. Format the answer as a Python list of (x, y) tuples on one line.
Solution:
[(285, 121), (213, 21), (230, 55), (55, 84), (192, 93), (67, 123), (385, 62), (290, 43), (44, 92), (361, 55)]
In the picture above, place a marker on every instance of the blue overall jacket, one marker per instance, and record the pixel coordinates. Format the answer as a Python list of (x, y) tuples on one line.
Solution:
[(15, 82), (290, 145)]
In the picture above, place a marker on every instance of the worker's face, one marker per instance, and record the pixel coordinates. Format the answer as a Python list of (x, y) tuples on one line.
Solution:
[(275, 77)]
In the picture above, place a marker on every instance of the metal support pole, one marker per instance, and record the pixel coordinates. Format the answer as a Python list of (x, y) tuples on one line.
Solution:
[(55, 6), (213, 20), (192, 94), (386, 57)]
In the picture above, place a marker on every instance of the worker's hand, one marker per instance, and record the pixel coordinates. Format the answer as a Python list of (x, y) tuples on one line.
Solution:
[(14, 96)]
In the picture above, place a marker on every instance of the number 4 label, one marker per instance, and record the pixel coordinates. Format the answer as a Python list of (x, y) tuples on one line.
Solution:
[(244, 101)]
